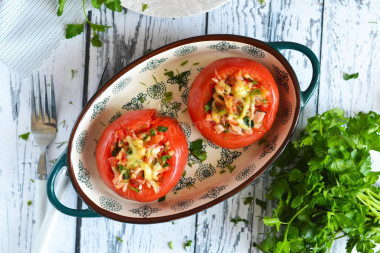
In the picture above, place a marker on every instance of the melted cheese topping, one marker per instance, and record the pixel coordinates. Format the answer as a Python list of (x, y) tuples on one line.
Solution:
[(140, 161), (235, 102)]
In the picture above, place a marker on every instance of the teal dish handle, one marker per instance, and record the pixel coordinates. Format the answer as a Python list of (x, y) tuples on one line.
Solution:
[(60, 163), (306, 94)]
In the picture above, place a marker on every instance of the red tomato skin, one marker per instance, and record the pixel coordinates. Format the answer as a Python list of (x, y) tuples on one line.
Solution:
[(201, 92), (143, 120)]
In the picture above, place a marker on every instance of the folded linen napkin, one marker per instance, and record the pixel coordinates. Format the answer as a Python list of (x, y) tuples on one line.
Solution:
[(31, 30)]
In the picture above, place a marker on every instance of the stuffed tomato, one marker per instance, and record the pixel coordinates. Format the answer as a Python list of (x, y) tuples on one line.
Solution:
[(233, 102), (141, 156)]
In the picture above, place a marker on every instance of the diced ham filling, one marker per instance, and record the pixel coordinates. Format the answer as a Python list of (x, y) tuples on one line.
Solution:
[(238, 104), (139, 160)]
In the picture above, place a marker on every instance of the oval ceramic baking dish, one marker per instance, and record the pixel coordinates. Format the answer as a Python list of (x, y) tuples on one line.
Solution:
[(142, 85)]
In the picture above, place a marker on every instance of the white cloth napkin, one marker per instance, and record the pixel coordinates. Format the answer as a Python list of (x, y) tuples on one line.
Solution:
[(31, 30)]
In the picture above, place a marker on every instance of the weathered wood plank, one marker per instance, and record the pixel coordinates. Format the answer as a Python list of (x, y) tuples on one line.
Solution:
[(131, 37), (273, 21)]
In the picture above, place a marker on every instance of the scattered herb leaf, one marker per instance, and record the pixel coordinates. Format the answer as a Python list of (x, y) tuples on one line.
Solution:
[(73, 72), (261, 203), (197, 150), (53, 161), (168, 96), (184, 110), (134, 189), (350, 76), (29, 203), (31, 180), (248, 200), (73, 30), (61, 6), (121, 240), (184, 63), (238, 219), (60, 144), (144, 7), (187, 244), (171, 245), (24, 136), (230, 168), (70, 102), (161, 199), (63, 123)]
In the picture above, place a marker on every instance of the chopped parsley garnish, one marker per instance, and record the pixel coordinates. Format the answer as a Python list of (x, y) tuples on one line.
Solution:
[(63, 123), (248, 122), (184, 110), (29, 203), (184, 63), (261, 203), (350, 76), (208, 105), (171, 245), (70, 102), (115, 151), (161, 199), (184, 173), (24, 136), (134, 189), (60, 144), (121, 240), (129, 152), (144, 7), (196, 63), (121, 167), (230, 168), (162, 129), (180, 78), (255, 92), (187, 244), (73, 72), (153, 132), (166, 164), (197, 150), (31, 180), (261, 2), (168, 96), (248, 200), (238, 219), (165, 158)]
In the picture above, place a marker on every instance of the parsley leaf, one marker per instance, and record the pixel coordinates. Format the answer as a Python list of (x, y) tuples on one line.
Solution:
[(171, 245), (73, 30), (197, 150), (61, 5), (162, 129), (248, 200), (350, 76), (187, 244), (24, 136), (144, 7), (29, 203), (161, 199), (121, 240), (95, 41)]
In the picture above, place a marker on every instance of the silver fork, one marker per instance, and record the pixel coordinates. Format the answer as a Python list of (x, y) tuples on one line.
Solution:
[(44, 129)]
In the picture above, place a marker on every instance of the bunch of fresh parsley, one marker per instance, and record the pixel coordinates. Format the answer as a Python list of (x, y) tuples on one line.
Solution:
[(73, 30), (324, 187)]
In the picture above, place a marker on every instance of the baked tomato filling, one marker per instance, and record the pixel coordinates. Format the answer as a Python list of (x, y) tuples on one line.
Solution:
[(142, 155), (238, 104), (140, 159)]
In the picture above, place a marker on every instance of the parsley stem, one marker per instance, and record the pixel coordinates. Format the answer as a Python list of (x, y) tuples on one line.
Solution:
[(288, 226), (84, 10)]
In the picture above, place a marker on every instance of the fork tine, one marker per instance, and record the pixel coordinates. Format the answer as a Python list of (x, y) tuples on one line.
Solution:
[(46, 101), (40, 115), (52, 99), (33, 102)]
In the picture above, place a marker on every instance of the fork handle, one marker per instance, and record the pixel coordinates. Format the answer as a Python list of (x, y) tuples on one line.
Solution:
[(40, 195), (40, 203)]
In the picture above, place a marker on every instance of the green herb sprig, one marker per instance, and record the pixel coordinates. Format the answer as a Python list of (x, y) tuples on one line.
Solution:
[(73, 30), (323, 186)]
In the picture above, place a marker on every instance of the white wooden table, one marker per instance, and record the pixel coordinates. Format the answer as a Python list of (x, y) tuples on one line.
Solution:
[(345, 35)]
